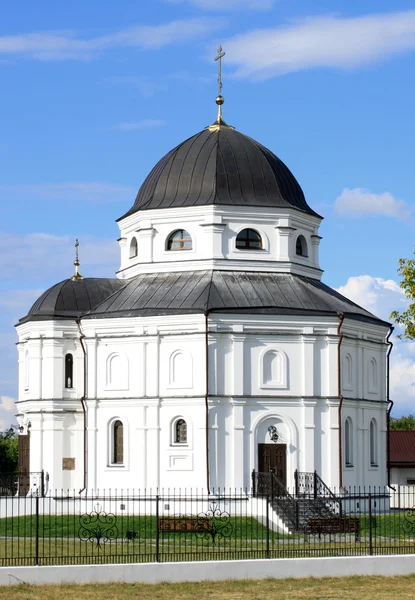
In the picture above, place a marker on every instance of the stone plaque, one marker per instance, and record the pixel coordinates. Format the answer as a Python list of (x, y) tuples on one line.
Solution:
[(68, 464)]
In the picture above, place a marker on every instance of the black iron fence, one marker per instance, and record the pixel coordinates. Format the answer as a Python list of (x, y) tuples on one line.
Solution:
[(22, 483), (129, 526)]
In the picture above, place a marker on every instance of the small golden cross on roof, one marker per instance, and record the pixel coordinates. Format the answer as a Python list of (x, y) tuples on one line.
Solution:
[(218, 58)]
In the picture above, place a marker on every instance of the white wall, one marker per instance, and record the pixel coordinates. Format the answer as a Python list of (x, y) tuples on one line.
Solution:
[(212, 570)]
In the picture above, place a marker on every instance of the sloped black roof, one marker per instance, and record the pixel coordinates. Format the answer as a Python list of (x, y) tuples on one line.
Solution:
[(226, 291), (71, 299), (220, 166)]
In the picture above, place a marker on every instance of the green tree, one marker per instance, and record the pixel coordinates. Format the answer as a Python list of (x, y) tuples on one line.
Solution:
[(407, 318), (406, 423), (8, 450)]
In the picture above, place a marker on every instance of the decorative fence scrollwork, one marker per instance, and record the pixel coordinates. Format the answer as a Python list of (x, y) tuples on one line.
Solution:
[(219, 524), (408, 524), (97, 527)]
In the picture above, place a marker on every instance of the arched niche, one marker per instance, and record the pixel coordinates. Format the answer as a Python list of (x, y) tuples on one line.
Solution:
[(347, 373), (117, 372), (273, 369), (181, 369), (373, 375)]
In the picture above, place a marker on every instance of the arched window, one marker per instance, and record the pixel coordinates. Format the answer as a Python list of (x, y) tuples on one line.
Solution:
[(117, 457), (248, 239), (133, 248), (69, 371), (180, 432), (179, 240), (373, 443), (301, 246), (348, 442)]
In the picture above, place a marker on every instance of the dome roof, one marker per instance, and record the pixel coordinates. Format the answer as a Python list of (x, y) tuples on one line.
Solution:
[(220, 166), (152, 294), (70, 299)]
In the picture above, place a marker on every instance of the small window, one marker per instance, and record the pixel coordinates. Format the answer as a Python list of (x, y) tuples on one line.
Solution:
[(133, 248), (248, 239), (117, 443), (301, 246), (179, 240), (348, 438), (69, 371), (26, 371), (180, 432), (373, 434)]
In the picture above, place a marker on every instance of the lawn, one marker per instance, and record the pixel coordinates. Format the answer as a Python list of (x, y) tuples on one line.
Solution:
[(348, 588), (59, 541)]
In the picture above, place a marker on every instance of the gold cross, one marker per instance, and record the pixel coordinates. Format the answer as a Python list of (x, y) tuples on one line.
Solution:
[(218, 58)]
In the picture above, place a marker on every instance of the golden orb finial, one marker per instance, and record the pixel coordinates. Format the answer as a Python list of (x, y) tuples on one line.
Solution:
[(220, 100), (76, 276)]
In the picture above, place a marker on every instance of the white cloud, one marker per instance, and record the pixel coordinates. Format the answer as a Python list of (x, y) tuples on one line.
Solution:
[(143, 124), (7, 412), (64, 45), (76, 191), (326, 41), (359, 202), (381, 296), (224, 5), (377, 295)]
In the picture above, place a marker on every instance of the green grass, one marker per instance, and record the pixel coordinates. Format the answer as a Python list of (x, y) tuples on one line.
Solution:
[(63, 526)]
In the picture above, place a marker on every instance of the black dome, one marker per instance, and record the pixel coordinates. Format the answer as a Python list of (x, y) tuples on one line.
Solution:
[(220, 166), (70, 299)]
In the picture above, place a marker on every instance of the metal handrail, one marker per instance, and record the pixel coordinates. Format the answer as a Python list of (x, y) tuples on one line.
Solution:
[(268, 484)]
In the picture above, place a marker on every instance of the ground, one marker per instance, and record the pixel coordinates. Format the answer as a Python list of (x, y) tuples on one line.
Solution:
[(348, 588)]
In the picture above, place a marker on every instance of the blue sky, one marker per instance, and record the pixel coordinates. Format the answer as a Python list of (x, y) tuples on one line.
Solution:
[(94, 93)]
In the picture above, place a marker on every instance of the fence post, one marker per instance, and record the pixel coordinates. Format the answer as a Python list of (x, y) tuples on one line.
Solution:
[(157, 530), (315, 485), (37, 530), (296, 481), (42, 483), (370, 526), (253, 483), (267, 518)]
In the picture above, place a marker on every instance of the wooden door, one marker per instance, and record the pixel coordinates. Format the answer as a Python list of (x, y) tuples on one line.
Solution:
[(24, 465), (273, 458)]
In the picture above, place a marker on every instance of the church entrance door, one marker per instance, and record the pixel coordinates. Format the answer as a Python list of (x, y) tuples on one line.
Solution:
[(273, 458)]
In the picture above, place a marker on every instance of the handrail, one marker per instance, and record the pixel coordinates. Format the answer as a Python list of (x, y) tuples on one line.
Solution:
[(314, 485), (268, 484)]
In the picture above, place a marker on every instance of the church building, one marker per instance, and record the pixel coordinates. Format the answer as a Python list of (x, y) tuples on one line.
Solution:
[(215, 351)]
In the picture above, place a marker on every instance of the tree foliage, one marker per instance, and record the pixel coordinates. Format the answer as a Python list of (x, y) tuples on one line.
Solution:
[(8, 450), (407, 318), (406, 423)]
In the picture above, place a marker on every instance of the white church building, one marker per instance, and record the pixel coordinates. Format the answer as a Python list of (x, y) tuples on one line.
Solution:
[(216, 350)]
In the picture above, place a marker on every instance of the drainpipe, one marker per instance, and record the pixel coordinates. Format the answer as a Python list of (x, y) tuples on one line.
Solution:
[(81, 339), (340, 395), (390, 402), (206, 313)]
